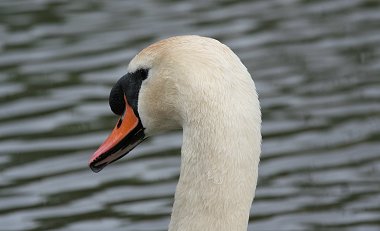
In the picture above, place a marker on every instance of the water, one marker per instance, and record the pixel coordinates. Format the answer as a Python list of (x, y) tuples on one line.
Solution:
[(316, 65)]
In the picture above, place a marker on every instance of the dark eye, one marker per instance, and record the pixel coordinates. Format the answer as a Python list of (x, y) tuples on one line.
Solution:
[(116, 99), (141, 74)]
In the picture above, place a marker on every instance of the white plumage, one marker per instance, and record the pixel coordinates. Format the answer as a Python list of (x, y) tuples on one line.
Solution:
[(198, 84)]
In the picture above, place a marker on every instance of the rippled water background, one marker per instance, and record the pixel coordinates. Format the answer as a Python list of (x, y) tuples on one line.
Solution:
[(317, 68)]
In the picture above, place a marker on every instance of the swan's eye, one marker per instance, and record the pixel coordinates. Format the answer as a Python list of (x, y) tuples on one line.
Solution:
[(141, 74)]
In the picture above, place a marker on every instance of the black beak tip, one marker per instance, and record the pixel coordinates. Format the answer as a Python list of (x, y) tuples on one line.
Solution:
[(96, 168)]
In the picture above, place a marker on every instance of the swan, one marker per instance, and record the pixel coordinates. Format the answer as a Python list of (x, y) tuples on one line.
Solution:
[(199, 85)]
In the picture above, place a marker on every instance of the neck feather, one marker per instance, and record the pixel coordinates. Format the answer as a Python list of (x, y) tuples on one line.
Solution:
[(219, 166)]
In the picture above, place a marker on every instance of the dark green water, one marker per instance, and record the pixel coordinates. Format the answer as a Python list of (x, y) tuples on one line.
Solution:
[(316, 65)]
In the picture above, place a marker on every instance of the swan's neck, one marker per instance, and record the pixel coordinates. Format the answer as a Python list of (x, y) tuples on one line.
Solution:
[(219, 163)]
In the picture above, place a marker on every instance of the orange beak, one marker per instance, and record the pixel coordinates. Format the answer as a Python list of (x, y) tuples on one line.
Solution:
[(126, 135)]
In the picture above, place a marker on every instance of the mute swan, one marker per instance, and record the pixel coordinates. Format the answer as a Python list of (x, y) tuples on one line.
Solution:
[(197, 84)]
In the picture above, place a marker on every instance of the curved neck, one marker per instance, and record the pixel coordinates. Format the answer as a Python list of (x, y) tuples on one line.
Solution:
[(219, 165)]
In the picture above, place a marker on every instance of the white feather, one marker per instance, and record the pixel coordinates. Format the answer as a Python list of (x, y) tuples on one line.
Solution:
[(198, 84)]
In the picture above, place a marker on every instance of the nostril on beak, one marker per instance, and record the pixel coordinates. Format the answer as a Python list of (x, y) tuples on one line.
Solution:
[(119, 122)]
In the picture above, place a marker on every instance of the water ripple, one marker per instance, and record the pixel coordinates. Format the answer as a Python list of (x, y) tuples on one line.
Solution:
[(316, 67)]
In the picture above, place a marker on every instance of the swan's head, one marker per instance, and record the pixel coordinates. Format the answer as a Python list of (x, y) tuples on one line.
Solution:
[(165, 83)]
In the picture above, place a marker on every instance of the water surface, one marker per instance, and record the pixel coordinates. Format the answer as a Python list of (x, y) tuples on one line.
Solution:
[(316, 66)]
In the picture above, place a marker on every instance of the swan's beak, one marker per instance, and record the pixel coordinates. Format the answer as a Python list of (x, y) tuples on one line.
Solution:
[(126, 135)]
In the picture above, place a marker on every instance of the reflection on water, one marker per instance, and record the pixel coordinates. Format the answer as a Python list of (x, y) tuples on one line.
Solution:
[(316, 65)]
